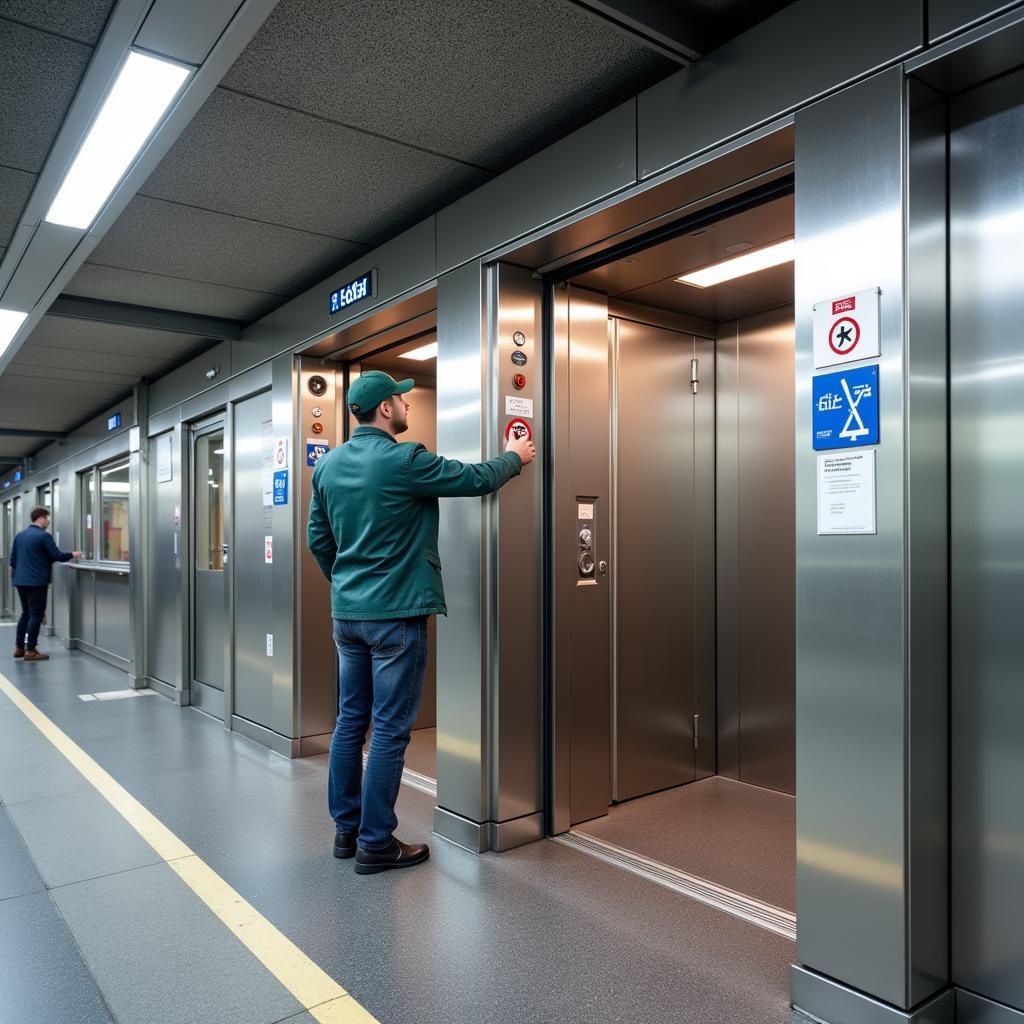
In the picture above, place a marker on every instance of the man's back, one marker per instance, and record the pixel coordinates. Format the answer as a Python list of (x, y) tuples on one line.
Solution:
[(32, 556)]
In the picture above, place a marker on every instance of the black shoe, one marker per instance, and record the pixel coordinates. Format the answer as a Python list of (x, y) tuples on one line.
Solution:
[(345, 845), (397, 855)]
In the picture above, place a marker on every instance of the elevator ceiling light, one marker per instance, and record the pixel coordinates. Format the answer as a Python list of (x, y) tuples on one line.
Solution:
[(134, 107), (422, 354), (10, 324), (740, 266)]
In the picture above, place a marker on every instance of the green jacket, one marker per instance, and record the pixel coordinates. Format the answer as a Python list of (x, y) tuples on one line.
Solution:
[(373, 522)]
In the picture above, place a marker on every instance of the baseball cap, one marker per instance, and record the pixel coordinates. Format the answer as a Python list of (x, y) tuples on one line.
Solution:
[(373, 387)]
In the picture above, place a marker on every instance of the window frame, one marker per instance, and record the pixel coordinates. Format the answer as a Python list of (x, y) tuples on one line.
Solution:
[(93, 553)]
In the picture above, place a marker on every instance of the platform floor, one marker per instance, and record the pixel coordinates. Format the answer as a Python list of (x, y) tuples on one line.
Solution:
[(96, 926), (739, 836)]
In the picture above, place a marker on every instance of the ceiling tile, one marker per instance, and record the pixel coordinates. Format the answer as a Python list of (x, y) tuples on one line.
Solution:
[(39, 75), (15, 188), (82, 20), (312, 174), (199, 245), (160, 292), (90, 337), (486, 81)]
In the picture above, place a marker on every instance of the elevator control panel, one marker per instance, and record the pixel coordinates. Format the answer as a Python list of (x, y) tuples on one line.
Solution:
[(586, 541)]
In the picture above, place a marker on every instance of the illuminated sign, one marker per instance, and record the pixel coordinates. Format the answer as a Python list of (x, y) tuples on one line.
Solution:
[(113, 422), (355, 291)]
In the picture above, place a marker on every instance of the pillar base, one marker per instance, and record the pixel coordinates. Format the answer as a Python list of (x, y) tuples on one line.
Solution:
[(831, 1002)]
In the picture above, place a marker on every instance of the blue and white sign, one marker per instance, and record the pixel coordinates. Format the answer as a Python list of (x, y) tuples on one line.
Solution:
[(315, 451), (355, 291), (281, 487), (113, 422), (845, 413)]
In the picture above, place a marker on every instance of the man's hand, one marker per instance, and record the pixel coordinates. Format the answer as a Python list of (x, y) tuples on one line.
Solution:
[(524, 448), (76, 554)]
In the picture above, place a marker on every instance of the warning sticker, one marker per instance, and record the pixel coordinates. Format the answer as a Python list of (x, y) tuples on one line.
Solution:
[(846, 329), (517, 430)]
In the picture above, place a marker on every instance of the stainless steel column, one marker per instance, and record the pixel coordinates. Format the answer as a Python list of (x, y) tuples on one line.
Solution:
[(871, 680)]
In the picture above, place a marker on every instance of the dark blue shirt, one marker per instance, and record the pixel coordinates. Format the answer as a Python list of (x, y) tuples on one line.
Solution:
[(32, 556)]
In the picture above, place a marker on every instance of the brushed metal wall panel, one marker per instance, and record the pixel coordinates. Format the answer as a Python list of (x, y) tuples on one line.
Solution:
[(209, 609), (163, 599), (851, 637), (113, 614), (987, 584), (252, 578), (655, 561), (765, 543), (740, 86), (948, 16)]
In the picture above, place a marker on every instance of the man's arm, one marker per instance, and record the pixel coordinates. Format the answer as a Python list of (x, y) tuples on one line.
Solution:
[(431, 476), (320, 536), (55, 553)]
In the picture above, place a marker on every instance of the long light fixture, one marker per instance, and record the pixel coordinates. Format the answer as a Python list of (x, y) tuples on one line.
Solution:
[(422, 354), (10, 324), (740, 266), (140, 96)]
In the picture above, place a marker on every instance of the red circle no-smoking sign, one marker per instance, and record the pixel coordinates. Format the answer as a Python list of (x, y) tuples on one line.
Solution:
[(844, 335)]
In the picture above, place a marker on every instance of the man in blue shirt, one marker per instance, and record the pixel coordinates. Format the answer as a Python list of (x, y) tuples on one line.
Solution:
[(32, 556)]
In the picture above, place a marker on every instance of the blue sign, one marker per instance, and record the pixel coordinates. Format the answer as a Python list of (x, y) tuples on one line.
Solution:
[(17, 475), (845, 413), (113, 422), (349, 294), (280, 486), (315, 451)]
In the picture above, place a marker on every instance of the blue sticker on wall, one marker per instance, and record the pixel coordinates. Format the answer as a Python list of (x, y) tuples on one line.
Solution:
[(280, 486), (845, 412), (315, 451)]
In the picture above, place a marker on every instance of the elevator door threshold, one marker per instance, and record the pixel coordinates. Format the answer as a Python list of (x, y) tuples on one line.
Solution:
[(746, 908)]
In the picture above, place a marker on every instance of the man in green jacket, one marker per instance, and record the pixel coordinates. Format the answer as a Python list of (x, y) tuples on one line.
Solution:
[(373, 530)]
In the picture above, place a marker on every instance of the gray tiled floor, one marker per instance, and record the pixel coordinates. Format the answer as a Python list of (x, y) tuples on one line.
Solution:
[(18, 875), (538, 934), (736, 835)]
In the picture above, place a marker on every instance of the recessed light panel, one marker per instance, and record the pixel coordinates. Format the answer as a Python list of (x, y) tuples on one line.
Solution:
[(740, 266)]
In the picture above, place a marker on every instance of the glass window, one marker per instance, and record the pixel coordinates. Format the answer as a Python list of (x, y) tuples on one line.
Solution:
[(114, 500), (43, 497), (88, 481), (209, 486)]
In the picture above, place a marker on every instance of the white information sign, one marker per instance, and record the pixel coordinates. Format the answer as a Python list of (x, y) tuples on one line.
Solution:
[(585, 512), (281, 453), (517, 406), (270, 645), (164, 463), (846, 329), (846, 493)]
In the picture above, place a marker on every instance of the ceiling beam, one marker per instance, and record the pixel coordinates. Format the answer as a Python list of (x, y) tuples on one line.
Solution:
[(121, 314), (665, 28), (43, 435), (208, 36), (11, 460)]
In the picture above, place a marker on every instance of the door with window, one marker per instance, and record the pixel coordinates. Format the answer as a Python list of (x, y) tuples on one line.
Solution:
[(6, 539), (209, 556)]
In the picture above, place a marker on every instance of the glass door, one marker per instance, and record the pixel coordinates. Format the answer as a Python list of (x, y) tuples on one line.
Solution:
[(208, 558)]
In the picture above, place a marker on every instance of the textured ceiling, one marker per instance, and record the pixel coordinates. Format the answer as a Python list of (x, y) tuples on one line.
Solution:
[(341, 124)]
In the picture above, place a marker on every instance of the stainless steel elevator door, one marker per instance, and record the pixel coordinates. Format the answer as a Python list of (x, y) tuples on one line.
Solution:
[(6, 540), (209, 580), (987, 526), (656, 544)]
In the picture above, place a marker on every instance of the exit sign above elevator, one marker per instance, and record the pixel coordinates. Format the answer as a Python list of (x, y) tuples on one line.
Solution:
[(362, 288)]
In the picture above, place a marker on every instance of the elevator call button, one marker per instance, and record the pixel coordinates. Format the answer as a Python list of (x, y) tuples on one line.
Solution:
[(517, 430), (519, 338), (519, 381)]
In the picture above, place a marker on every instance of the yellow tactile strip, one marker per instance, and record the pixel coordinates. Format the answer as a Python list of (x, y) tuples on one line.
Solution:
[(322, 997)]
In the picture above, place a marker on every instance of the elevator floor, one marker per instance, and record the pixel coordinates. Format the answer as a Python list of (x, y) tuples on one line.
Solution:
[(736, 835), (541, 933), (421, 755)]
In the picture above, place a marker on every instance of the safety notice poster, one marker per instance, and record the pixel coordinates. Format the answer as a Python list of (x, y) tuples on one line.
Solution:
[(846, 493)]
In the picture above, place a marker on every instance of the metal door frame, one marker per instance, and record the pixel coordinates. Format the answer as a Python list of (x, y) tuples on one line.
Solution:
[(211, 423)]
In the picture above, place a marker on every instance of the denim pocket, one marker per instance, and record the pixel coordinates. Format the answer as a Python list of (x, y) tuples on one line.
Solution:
[(386, 639)]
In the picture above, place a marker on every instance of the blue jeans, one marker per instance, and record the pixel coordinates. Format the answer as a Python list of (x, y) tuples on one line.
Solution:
[(33, 610), (382, 665)]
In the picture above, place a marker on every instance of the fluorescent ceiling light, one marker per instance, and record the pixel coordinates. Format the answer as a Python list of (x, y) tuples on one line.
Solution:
[(10, 324), (740, 266), (134, 107), (421, 354)]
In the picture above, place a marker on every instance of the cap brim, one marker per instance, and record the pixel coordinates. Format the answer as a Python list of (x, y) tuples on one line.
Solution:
[(405, 386)]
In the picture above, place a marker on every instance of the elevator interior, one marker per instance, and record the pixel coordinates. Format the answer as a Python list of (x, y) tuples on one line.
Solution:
[(674, 538)]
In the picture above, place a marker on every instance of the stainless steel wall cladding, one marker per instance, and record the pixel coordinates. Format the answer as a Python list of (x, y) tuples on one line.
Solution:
[(871, 825), (947, 16), (756, 556), (987, 581)]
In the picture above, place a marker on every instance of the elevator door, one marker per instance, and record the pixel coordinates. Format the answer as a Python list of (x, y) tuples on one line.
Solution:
[(987, 550), (209, 580), (6, 539), (663, 444)]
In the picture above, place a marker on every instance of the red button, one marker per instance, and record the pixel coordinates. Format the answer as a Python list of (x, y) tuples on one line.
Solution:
[(519, 380)]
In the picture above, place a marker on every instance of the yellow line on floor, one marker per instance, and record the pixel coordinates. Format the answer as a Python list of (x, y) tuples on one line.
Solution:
[(320, 995)]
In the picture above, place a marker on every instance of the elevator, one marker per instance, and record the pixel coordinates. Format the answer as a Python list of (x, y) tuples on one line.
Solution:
[(672, 540)]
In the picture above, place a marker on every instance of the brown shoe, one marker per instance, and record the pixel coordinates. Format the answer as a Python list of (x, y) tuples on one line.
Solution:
[(36, 656), (19, 652)]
